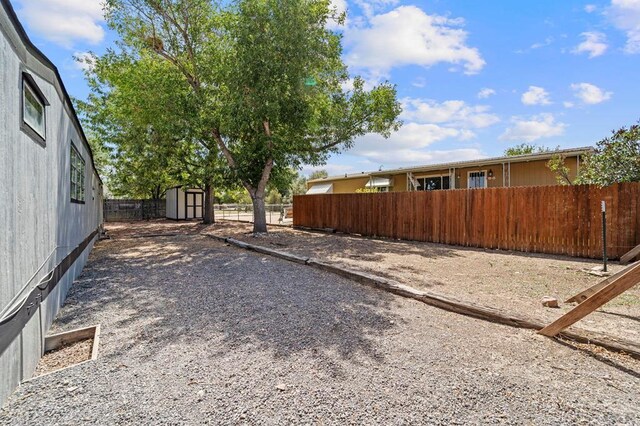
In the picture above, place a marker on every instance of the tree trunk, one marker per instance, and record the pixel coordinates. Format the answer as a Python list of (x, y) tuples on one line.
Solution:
[(208, 217), (259, 213)]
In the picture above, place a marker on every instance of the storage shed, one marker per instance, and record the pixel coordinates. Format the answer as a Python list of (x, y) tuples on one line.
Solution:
[(185, 203)]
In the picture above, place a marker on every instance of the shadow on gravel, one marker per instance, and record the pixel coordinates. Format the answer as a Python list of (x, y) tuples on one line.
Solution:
[(181, 289)]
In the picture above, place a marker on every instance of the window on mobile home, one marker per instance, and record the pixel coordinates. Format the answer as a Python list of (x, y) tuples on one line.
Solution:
[(77, 176)]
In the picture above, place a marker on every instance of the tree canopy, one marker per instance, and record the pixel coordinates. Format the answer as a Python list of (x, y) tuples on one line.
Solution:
[(265, 77), (616, 159), (525, 148)]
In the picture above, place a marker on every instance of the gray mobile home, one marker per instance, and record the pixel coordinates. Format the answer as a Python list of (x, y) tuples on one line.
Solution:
[(50, 200)]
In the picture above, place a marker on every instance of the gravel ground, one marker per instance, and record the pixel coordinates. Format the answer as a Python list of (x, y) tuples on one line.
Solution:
[(511, 281), (197, 332)]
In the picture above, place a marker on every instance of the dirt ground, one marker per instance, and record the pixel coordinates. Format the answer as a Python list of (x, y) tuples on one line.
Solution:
[(65, 356), (195, 331), (512, 281)]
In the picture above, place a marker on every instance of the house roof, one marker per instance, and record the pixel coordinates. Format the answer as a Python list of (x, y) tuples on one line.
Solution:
[(570, 152)]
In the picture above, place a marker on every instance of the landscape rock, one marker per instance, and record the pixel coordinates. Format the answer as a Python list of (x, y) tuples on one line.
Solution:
[(550, 302)]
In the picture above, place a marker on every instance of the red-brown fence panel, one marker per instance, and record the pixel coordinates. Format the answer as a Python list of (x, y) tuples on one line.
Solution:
[(544, 219)]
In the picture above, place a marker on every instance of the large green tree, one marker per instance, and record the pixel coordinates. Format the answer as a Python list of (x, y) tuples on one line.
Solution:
[(267, 77), (144, 109)]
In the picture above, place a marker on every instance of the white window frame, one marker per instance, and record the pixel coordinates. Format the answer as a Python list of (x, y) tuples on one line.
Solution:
[(27, 86), (77, 170), (486, 181)]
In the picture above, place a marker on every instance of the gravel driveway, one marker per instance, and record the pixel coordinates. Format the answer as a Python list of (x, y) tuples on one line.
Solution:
[(196, 332)]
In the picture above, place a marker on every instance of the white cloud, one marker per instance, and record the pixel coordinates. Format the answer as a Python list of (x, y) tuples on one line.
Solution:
[(568, 104), (84, 61), (409, 36), (535, 96), (547, 42), (590, 8), (370, 7), (331, 169), (402, 157), (407, 144), (533, 128), (65, 22), (590, 94), (594, 44), (625, 15), (419, 82), (485, 93), (453, 113)]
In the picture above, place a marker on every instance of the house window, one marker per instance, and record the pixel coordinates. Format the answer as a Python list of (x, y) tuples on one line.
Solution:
[(477, 180), (77, 176), (33, 109), (433, 183)]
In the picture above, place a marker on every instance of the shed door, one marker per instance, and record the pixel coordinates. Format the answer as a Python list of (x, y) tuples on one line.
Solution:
[(194, 202)]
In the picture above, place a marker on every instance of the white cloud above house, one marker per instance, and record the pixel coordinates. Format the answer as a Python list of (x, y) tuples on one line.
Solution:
[(409, 145), (535, 96), (594, 44), (65, 22), (409, 36), (486, 93), (590, 8), (590, 94), (625, 15), (533, 128), (452, 113)]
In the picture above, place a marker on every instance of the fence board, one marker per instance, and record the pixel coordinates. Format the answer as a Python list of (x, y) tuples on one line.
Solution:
[(133, 209), (545, 219)]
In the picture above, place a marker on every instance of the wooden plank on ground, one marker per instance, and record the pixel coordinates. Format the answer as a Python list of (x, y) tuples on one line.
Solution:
[(584, 295), (630, 255), (624, 282)]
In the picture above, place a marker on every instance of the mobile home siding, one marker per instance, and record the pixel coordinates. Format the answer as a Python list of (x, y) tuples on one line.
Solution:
[(40, 225)]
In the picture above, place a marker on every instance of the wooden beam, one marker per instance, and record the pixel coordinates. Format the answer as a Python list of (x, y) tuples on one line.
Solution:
[(630, 255), (622, 283), (446, 303), (584, 295)]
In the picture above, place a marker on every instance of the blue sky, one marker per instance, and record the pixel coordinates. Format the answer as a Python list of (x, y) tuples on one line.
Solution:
[(474, 77)]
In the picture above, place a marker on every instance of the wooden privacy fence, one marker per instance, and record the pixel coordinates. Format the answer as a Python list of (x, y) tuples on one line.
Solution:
[(544, 219)]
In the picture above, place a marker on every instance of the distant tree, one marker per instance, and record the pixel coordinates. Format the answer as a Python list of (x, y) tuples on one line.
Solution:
[(318, 174), (559, 167), (616, 159), (525, 148), (299, 185), (274, 197)]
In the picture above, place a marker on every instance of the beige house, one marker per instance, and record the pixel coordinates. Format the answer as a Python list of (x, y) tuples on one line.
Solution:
[(519, 170)]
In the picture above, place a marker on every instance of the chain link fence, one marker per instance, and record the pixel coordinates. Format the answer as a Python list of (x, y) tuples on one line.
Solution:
[(277, 214)]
